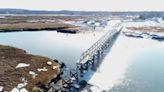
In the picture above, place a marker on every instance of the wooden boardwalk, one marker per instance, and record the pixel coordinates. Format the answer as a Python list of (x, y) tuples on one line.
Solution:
[(71, 78), (88, 57)]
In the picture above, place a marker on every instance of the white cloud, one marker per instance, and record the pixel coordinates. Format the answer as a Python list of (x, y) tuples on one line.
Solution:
[(104, 5)]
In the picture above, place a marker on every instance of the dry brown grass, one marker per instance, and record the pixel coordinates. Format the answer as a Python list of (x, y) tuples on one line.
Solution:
[(34, 26), (18, 23), (22, 22), (10, 76)]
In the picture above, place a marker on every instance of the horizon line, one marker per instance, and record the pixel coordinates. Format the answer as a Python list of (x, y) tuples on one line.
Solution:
[(87, 10)]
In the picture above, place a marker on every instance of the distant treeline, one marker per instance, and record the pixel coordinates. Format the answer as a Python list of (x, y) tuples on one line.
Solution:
[(83, 13)]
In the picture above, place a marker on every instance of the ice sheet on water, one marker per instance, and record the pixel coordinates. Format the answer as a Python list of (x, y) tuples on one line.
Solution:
[(95, 89), (114, 65)]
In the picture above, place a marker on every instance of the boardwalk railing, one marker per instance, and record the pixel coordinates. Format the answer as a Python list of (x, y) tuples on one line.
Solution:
[(87, 57)]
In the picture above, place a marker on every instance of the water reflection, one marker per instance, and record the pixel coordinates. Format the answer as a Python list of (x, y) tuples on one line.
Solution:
[(64, 47)]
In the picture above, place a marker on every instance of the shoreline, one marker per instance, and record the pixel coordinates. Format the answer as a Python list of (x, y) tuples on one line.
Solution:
[(38, 23), (61, 30), (38, 27)]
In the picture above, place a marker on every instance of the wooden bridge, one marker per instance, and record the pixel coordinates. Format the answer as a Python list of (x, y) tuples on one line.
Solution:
[(71, 77), (87, 58)]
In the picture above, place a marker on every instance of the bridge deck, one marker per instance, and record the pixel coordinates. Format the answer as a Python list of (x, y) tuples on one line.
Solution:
[(89, 53)]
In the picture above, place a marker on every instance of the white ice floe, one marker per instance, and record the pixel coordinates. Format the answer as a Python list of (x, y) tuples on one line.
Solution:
[(1, 88), (44, 69), (21, 65), (33, 74)]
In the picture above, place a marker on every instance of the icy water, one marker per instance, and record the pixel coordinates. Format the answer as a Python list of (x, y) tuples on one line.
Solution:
[(133, 65), (64, 47), (145, 72)]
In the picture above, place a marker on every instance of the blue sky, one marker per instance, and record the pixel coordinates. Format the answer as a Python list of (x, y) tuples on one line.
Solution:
[(86, 5)]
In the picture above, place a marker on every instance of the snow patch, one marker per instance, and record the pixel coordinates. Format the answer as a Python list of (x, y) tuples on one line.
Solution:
[(21, 65), (15, 90), (44, 69), (49, 63), (1, 88), (33, 74), (21, 85), (23, 90), (144, 23), (54, 67)]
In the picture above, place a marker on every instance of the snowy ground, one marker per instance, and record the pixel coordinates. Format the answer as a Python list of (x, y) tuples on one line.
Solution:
[(159, 23)]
